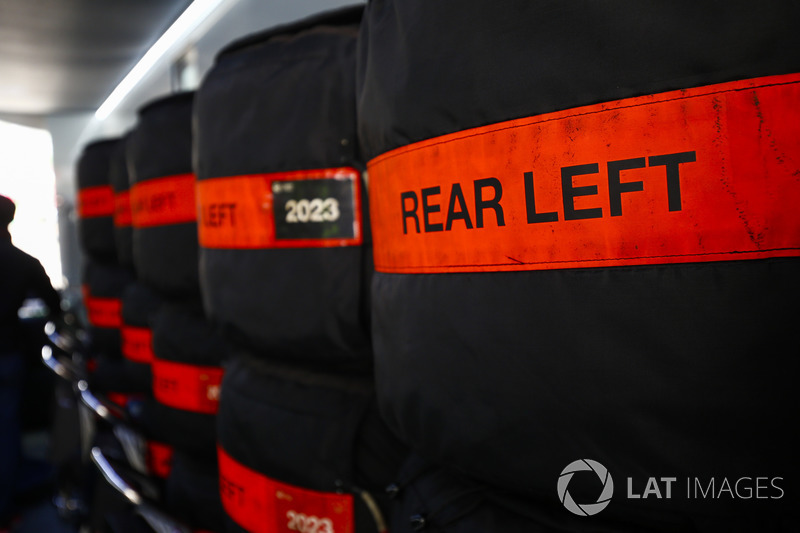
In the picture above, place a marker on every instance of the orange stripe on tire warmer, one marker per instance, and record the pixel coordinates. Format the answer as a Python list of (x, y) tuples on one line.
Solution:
[(122, 209), (187, 387), (704, 174), (238, 212), (158, 454), (137, 344), (103, 312), (96, 201), (159, 458), (121, 399), (163, 201), (263, 505)]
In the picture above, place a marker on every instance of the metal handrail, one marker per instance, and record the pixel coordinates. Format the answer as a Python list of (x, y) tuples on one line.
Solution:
[(156, 519), (113, 478), (58, 366), (63, 342), (65, 365), (66, 368), (104, 410)]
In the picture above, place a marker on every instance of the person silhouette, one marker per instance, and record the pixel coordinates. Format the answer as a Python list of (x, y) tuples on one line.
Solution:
[(21, 276)]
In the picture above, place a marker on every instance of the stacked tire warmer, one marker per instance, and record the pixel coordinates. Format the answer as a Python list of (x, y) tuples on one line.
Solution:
[(162, 197), (284, 265), (104, 278), (139, 306), (95, 200), (101, 210), (104, 287), (586, 247), (120, 183), (138, 302), (185, 355)]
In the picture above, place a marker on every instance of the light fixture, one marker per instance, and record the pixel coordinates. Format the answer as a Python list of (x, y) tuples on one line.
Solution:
[(190, 19)]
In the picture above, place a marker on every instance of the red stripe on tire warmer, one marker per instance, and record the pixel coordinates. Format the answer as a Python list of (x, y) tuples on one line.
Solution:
[(163, 201), (122, 209), (263, 505), (137, 344), (187, 387), (96, 201), (696, 175), (120, 398), (298, 209), (159, 458), (102, 312)]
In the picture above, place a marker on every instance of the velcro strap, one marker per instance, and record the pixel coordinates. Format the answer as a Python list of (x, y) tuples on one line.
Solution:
[(695, 175), (263, 505), (304, 208), (163, 201), (187, 387)]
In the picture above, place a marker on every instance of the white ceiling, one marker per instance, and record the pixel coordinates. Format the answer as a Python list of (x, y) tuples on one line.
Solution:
[(65, 56)]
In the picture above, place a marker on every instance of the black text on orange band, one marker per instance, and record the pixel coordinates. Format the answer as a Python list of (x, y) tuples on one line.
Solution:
[(703, 174), (187, 387), (104, 312), (96, 201), (298, 209), (263, 505), (137, 344), (122, 209), (163, 201)]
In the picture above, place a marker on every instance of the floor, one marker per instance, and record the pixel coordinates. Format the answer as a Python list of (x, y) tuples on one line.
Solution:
[(38, 512), (42, 517)]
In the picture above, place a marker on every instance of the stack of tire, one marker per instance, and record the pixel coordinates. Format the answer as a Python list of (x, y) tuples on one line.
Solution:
[(120, 184), (285, 266), (586, 248), (107, 276), (138, 303), (104, 278), (182, 350)]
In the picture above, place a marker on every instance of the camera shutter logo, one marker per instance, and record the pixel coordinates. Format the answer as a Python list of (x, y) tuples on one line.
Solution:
[(585, 509)]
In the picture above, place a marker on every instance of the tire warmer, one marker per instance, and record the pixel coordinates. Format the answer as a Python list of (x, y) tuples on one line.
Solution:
[(586, 246)]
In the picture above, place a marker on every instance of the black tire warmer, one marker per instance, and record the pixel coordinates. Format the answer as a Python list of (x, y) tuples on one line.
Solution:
[(110, 374), (192, 493), (187, 375), (120, 183), (103, 286), (275, 133), (139, 306), (435, 499), (163, 210), (95, 200), (285, 265), (586, 247), (317, 437)]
